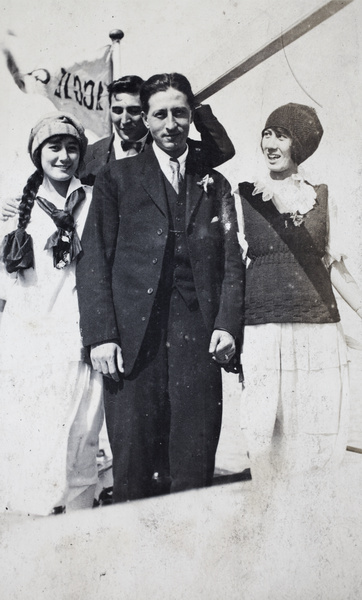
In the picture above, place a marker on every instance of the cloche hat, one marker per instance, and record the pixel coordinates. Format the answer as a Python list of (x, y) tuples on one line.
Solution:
[(302, 123), (56, 123)]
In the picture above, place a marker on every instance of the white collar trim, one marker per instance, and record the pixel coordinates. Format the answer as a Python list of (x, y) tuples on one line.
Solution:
[(290, 195)]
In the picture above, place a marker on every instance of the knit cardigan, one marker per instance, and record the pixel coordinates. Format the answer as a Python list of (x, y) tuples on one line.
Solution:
[(286, 280)]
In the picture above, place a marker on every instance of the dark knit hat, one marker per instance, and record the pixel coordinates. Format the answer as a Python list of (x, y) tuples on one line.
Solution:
[(303, 125), (56, 123)]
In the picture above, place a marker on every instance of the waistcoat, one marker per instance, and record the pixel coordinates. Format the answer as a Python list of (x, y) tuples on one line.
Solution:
[(177, 252), (286, 280)]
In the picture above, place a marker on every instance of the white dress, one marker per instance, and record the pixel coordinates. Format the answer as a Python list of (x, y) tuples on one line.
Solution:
[(295, 401), (51, 400)]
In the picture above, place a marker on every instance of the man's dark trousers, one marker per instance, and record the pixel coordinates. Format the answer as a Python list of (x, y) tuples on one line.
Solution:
[(163, 400)]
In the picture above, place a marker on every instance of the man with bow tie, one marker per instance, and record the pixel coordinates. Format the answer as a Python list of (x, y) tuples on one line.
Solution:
[(130, 135), (160, 287)]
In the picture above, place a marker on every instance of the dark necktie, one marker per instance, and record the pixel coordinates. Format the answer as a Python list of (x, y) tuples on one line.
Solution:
[(129, 145), (64, 241)]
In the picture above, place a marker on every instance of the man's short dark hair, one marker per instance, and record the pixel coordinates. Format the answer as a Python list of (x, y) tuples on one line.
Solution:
[(130, 84), (161, 83)]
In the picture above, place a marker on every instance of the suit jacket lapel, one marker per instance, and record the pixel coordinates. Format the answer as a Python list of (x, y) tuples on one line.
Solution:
[(111, 155), (194, 191), (151, 179), (104, 151)]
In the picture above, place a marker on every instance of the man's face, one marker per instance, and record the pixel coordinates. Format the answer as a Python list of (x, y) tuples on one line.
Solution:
[(126, 116), (168, 118)]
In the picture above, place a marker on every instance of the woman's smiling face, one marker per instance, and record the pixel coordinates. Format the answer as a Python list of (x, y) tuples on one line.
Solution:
[(277, 149), (60, 157)]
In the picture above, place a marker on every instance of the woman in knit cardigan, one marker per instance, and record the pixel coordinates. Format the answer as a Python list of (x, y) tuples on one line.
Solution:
[(295, 402)]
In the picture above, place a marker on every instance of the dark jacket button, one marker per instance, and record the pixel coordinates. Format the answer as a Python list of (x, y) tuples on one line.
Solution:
[(150, 291), (159, 231)]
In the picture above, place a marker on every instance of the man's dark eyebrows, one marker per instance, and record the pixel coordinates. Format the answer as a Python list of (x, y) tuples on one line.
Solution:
[(120, 109)]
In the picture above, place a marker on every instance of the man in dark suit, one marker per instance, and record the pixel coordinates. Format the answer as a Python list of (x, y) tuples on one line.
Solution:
[(160, 287), (130, 135)]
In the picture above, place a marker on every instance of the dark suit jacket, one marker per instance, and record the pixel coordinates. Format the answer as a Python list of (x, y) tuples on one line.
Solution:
[(124, 242), (96, 157), (213, 150)]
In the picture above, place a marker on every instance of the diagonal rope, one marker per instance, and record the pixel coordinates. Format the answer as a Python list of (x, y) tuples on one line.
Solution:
[(294, 75)]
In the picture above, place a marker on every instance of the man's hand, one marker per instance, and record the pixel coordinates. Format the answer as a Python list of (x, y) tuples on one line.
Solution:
[(107, 359), (9, 208), (222, 346)]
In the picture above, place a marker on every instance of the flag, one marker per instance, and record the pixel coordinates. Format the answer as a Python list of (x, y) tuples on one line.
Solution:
[(80, 89)]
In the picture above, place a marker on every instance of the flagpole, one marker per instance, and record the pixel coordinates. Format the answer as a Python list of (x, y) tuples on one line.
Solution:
[(116, 35)]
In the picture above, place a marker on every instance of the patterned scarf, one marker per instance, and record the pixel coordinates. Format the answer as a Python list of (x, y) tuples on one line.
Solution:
[(18, 250)]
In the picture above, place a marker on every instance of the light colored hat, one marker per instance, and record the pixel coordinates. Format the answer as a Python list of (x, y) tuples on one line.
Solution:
[(302, 123), (56, 123)]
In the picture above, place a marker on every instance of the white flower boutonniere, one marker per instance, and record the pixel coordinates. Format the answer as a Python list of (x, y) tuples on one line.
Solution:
[(297, 218), (206, 182)]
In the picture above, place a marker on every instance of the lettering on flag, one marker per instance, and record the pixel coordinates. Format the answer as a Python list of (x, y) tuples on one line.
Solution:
[(80, 89)]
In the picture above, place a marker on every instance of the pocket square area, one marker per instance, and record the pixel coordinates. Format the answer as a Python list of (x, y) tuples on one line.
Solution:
[(215, 220)]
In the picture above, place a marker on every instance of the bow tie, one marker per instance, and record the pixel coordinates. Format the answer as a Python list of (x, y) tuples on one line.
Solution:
[(129, 145)]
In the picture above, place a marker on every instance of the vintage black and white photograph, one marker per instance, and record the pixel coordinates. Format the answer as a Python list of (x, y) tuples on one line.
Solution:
[(181, 300)]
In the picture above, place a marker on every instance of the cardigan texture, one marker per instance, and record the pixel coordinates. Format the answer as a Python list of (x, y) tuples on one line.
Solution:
[(286, 281)]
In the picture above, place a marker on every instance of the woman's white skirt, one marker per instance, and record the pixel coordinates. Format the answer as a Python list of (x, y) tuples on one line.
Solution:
[(49, 426), (295, 401)]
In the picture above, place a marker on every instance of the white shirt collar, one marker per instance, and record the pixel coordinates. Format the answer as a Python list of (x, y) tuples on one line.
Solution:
[(164, 161), (118, 150), (46, 190)]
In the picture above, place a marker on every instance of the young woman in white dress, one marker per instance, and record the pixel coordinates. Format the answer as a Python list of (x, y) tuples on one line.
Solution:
[(51, 400)]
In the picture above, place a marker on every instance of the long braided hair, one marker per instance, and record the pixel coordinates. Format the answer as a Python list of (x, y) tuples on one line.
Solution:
[(17, 247), (28, 198)]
